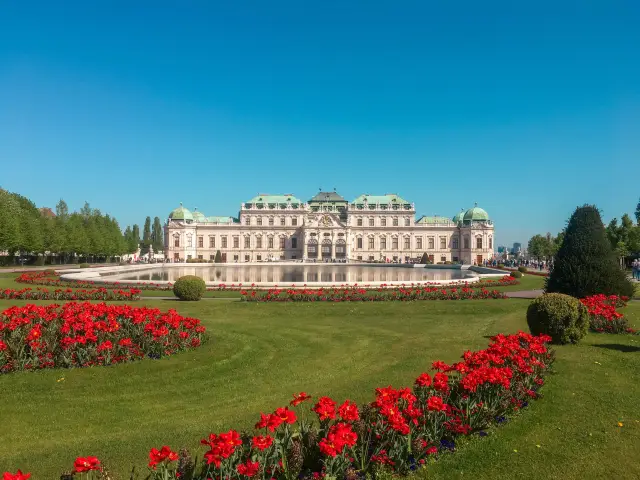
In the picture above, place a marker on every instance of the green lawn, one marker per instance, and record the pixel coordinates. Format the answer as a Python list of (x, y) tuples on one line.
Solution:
[(259, 354)]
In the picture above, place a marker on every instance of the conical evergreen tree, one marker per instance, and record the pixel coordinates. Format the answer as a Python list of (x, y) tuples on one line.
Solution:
[(585, 263)]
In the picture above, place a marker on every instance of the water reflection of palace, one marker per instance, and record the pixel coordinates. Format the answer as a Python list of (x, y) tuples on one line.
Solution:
[(303, 273), (328, 228)]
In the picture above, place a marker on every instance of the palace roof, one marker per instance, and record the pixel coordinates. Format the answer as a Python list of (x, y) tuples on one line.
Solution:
[(388, 199), (328, 197), (435, 220), (267, 199)]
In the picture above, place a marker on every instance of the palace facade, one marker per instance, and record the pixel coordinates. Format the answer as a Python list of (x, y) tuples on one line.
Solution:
[(328, 228)]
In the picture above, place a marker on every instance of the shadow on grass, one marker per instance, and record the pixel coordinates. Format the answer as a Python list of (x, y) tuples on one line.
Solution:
[(619, 347)]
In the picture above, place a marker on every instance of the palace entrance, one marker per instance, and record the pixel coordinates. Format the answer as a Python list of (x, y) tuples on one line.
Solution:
[(312, 249), (326, 249), (341, 249)]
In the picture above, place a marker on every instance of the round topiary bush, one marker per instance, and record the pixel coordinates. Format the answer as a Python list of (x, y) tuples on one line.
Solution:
[(560, 316), (522, 269), (189, 288), (84, 265), (516, 274)]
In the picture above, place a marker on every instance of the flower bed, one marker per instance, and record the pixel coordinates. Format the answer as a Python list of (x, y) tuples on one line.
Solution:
[(86, 334), (69, 294), (400, 430), (604, 318), (356, 294)]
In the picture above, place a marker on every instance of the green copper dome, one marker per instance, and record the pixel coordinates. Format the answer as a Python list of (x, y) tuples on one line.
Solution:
[(476, 214), (458, 218), (199, 216), (181, 213)]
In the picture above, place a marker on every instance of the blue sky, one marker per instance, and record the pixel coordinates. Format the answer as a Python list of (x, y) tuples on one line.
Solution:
[(527, 109)]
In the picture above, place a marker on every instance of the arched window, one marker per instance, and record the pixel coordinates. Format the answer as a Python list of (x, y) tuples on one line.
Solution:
[(490, 243)]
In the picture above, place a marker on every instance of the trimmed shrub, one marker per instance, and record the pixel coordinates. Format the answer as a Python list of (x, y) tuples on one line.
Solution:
[(560, 316), (424, 260), (189, 287), (585, 264), (522, 269), (49, 272), (516, 274), (84, 265), (218, 257)]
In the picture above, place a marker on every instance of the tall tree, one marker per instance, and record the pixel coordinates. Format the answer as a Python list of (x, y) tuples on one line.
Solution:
[(62, 210), (586, 264), (637, 214), (9, 222), (146, 236), (135, 238), (157, 236)]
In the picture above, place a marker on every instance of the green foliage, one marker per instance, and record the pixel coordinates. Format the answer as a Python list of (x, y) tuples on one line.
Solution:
[(522, 269), (542, 246), (425, 259), (39, 262), (189, 287), (84, 265), (637, 213), (157, 236), (146, 237), (560, 316), (585, 264), (218, 257), (516, 274)]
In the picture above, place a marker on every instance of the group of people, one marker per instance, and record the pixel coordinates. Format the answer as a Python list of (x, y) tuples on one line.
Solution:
[(635, 269)]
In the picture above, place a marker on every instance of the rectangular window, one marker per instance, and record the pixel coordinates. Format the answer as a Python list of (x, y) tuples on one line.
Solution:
[(200, 242), (419, 243), (490, 243), (383, 243), (176, 241), (189, 241), (259, 242), (372, 222), (271, 221), (294, 221), (359, 222), (383, 222), (431, 244), (294, 242), (479, 242), (259, 258), (407, 243), (394, 243), (212, 258), (224, 242), (247, 242), (224, 258), (395, 221), (247, 220), (466, 242), (259, 221), (443, 258), (246, 258), (407, 222), (443, 243), (236, 242), (370, 243), (454, 242), (199, 257), (282, 221), (270, 242), (282, 243), (212, 242), (359, 242)]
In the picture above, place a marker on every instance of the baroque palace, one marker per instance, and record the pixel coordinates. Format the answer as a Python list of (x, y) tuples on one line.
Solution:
[(329, 228)]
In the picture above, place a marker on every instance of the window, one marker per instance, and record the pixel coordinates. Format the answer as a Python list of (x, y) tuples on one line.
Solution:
[(407, 243), (370, 243), (359, 222), (479, 242), (383, 222), (212, 258), (419, 243), (259, 242), (490, 243), (200, 242), (383, 243), (294, 221), (270, 242), (223, 257), (212, 242), (395, 221), (431, 243), (246, 258), (466, 242), (454, 242), (394, 243), (224, 242), (372, 222), (247, 242), (271, 221), (188, 257), (176, 241), (443, 258), (359, 242), (199, 257), (247, 220), (236, 242), (259, 258), (189, 241), (282, 221), (281, 242), (443, 243), (259, 221), (359, 257), (407, 222), (235, 258), (294, 242)]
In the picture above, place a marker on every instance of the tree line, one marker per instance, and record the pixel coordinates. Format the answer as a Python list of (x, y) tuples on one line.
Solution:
[(623, 237), (88, 235)]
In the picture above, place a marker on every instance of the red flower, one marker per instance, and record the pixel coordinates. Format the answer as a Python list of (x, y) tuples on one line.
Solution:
[(432, 450), (349, 411), (16, 476), (158, 456), (424, 380), (248, 469), (325, 408), (441, 382), (299, 398), (86, 464), (262, 442), (436, 404), (285, 415)]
